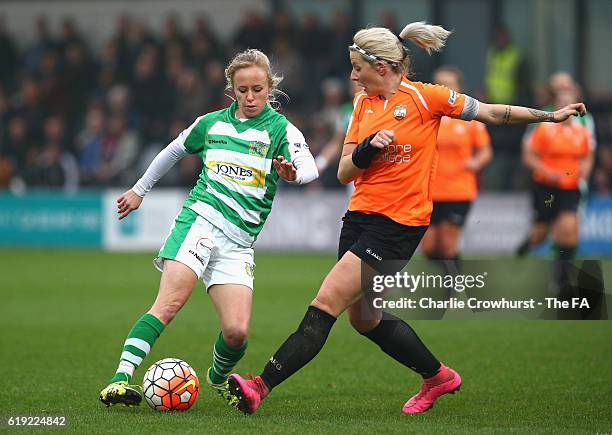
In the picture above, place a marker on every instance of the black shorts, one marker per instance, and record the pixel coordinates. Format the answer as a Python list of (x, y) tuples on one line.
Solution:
[(375, 238), (454, 212), (548, 202)]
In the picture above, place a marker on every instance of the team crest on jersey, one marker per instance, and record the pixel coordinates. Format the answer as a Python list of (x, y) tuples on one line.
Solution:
[(258, 149), (243, 175), (400, 111)]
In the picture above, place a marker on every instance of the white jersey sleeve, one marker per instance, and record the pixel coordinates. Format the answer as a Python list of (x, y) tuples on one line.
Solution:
[(301, 157), (160, 165), (164, 161)]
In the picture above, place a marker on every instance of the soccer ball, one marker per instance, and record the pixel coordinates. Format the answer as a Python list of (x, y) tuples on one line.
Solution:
[(170, 385)]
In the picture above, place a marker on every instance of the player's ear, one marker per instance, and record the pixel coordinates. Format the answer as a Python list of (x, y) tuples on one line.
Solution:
[(380, 67)]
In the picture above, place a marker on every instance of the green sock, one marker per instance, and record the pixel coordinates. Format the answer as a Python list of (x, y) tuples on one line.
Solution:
[(137, 346), (225, 359)]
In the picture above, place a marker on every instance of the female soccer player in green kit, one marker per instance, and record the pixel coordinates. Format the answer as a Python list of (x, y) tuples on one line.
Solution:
[(245, 148)]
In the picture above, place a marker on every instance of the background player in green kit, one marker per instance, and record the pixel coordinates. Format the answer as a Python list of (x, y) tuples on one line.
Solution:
[(245, 148)]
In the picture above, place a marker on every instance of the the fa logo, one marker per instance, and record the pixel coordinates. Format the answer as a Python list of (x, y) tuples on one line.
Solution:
[(400, 111)]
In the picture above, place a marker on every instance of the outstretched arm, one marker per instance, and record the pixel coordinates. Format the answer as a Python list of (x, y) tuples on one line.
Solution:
[(160, 165), (499, 114)]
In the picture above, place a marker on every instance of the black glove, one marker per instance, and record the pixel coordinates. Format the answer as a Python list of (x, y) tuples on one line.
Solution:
[(364, 153)]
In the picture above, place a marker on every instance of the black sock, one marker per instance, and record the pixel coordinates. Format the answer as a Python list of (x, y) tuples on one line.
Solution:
[(524, 248), (564, 271), (398, 340), (301, 346), (450, 265)]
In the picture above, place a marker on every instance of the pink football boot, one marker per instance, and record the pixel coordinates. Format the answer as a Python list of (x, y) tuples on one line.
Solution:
[(250, 392), (446, 381)]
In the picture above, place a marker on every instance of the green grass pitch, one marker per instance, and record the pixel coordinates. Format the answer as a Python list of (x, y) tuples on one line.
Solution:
[(65, 315)]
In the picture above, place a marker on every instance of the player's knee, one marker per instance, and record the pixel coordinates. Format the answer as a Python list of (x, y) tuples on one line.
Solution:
[(363, 325), (167, 310), (235, 335), (324, 303)]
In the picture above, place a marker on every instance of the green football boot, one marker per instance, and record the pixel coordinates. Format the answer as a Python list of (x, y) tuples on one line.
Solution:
[(222, 390), (121, 393)]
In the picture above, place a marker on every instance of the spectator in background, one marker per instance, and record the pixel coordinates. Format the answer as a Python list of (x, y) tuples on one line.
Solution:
[(173, 34), (43, 41), (506, 78), (70, 36), (109, 70), (77, 82), (119, 151), (507, 81), (191, 95), (203, 29), (284, 58), (149, 94), (602, 178), (9, 60), (118, 104), (89, 142), (284, 28), (17, 147), (54, 166), (215, 86), (202, 51), (341, 37), (28, 103), (139, 38), (312, 42), (252, 33), (52, 96)]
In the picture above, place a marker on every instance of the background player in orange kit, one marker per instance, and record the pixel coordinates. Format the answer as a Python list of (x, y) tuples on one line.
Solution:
[(560, 156), (464, 148), (389, 152)]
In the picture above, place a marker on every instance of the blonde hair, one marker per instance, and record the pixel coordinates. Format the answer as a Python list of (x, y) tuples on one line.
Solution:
[(254, 57), (379, 43)]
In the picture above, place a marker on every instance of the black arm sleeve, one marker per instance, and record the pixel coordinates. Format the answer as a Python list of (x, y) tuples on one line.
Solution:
[(364, 153)]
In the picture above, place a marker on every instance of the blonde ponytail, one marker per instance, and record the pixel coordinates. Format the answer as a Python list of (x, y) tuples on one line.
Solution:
[(427, 36)]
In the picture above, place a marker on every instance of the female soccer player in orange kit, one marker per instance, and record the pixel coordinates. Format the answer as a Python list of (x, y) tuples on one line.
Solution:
[(560, 156), (389, 152), (464, 148)]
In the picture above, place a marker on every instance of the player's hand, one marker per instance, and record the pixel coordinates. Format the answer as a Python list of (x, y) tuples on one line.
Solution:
[(471, 165), (285, 168), (550, 174), (382, 139), (569, 110), (127, 203)]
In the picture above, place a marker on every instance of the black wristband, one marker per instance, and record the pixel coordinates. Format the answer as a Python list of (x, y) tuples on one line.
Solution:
[(364, 153)]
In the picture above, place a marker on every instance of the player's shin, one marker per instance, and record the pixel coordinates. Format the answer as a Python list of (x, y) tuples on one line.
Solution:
[(301, 347), (225, 359), (137, 346), (398, 340)]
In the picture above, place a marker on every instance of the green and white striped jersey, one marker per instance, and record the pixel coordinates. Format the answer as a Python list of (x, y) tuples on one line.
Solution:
[(238, 182)]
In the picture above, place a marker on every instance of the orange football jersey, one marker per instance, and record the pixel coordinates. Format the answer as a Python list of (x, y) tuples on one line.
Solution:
[(457, 140), (398, 182), (560, 148)]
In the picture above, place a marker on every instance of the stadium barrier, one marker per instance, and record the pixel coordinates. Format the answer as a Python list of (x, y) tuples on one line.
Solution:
[(304, 221)]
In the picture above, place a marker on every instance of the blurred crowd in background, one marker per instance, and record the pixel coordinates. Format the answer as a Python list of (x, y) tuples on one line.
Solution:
[(74, 118)]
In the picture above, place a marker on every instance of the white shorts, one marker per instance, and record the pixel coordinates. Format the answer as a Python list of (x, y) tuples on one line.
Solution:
[(207, 251)]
